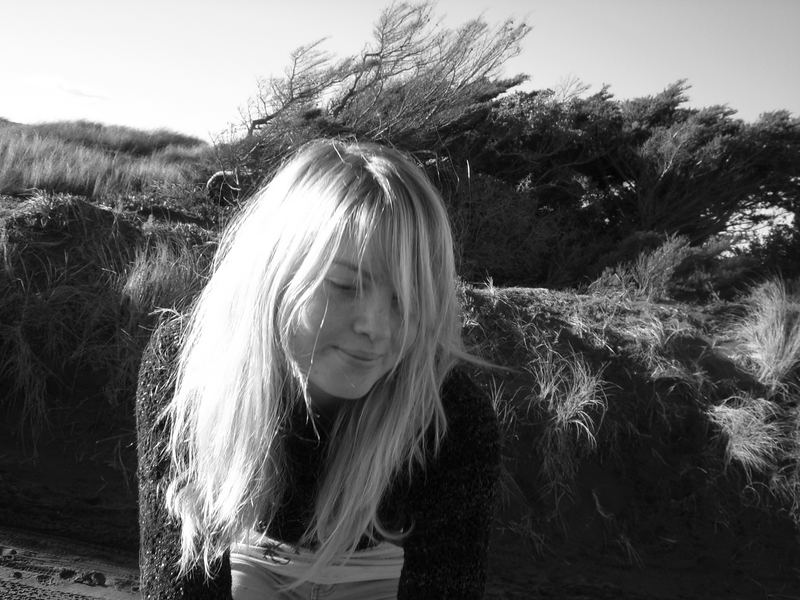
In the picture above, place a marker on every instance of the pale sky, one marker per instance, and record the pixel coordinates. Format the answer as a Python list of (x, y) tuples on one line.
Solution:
[(189, 65)]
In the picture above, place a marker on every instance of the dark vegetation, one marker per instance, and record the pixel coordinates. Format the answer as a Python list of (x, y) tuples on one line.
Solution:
[(652, 410)]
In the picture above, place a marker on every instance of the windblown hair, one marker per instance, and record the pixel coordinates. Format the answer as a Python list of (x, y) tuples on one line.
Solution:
[(237, 382)]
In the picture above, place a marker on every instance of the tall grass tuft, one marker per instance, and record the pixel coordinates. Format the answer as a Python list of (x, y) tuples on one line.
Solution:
[(571, 397), (763, 437), (166, 273), (767, 338), (752, 430)]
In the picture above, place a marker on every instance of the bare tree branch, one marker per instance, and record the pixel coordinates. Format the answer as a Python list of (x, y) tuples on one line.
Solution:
[(412, 72)]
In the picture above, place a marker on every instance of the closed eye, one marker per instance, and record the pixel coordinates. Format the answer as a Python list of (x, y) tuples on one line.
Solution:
[(343, 287)]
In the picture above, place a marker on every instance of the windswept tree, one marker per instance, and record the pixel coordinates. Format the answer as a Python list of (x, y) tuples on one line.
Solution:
[(590, 180), (696, 174), (544, 187), (411, 85)]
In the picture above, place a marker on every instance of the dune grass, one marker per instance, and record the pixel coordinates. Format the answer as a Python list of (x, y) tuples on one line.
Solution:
[(58, 309), (596, 383), (116, 138), (80, 285), (767, 338), (570, 397), (167, 272), (763, 439), (95, 161), (53, 333), (753, 432)]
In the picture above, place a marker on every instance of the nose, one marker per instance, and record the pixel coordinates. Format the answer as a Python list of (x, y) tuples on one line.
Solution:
[(375, 314)]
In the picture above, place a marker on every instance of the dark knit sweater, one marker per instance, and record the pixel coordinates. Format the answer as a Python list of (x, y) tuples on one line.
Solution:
[(450, 502)]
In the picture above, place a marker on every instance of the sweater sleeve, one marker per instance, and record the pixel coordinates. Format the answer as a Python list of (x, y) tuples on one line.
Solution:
[(452, 506), (159, 533)]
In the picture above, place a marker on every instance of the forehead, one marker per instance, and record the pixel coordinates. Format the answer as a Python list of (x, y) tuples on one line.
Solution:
[(367, 261)]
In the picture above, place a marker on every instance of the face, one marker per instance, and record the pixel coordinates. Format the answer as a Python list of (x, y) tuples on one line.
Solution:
[(350, 336)]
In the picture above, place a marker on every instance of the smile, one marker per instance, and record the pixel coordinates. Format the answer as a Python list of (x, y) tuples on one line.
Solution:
[(361, 358)]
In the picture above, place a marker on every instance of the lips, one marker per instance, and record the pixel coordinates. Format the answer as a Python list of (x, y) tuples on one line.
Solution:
[(361, 357)]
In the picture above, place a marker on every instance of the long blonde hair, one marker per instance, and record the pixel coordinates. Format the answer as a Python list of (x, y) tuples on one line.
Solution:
[(237, 382)]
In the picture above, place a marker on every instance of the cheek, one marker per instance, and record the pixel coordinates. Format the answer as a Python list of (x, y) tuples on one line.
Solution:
[(319, 322), (307, 329), (301, 345), (319, 312)]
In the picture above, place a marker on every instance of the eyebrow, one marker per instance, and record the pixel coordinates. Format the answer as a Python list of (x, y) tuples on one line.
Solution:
[(353, 267)]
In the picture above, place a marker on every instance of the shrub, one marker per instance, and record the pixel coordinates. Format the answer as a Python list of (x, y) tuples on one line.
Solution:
[(779, 250), (492, 227), (676, 270), (714, 271), (649, 275)]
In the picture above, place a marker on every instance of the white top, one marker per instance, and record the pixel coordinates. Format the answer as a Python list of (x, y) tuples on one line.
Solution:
[(384, 561)]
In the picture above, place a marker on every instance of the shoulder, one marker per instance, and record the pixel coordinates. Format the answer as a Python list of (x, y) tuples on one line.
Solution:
[(472, 439), (156, 386), (470, 414), (164, 343), (451, 502), (158, 361), (461, 396)]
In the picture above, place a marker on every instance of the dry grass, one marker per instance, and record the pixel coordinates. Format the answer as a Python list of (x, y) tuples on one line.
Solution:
[(166, 272), (632, 556), (753, 432), (52, 332), (26, 377), (58, 309), (571, 398), (30, 159), (644, 327), (78, 287), (116, 138), (763, 438), (76, 295), (670, 378), (651, 334), (768, 338), (593, 317), (504, 407)]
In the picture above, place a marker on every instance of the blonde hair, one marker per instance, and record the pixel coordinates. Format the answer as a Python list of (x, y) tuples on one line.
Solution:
[(237, 383)]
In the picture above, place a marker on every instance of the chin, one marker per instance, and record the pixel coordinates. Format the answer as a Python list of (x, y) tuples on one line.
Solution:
[(353, 393), (333, 393)]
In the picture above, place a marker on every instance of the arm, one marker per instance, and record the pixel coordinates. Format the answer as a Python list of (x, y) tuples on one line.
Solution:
[(452, 505), (159, 533)]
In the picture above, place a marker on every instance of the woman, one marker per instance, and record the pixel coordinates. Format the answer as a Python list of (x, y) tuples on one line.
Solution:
[(306, 430)]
